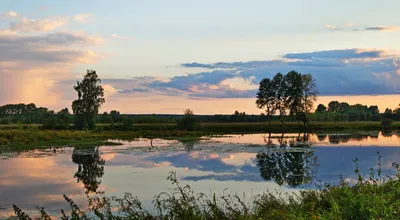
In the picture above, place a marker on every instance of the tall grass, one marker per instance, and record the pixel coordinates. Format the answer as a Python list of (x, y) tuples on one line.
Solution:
[(372, 197)]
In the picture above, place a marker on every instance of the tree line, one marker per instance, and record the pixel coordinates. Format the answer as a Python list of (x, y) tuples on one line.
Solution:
[(342, 111)]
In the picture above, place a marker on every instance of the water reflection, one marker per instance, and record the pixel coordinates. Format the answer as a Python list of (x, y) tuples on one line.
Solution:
[(291, 168), (294, 167), (242, 163), (90, 167)]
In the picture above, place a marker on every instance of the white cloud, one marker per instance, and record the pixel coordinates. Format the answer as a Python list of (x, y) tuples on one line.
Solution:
[(118, 37), (329, 26), (84, 17), (11, 14), (350, 27), (28, 25)]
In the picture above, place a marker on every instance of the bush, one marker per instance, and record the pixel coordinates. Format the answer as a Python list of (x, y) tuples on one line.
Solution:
[(50, 123), (188, 122), (127, 123), (386, 122)]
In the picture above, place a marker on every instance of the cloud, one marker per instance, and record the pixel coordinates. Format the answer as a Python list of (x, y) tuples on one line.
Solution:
[(382, 28), (339, 54), (55, 47), (332, 27), (185, 82), (233, 65), (35, 61), (10, 14), (118, 37), (350, 27), (355, 71), (29, 25), (83, 17)]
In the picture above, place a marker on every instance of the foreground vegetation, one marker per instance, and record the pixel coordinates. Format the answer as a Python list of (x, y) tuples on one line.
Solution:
[(372, 197)]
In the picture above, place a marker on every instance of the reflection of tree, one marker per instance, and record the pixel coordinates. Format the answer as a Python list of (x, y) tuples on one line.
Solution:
[(189, 145), (90, 167), (336, 139), (387, 133), (321, 137), (287, 167)]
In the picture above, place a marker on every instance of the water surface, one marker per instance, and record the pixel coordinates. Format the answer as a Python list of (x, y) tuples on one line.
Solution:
[(249, 164)]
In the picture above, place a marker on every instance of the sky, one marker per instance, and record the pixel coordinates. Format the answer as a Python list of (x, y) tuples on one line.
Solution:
[(158, 56)]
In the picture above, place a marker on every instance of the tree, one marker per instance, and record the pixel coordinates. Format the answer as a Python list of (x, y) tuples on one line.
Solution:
[(321, 109), (374, 109), (105, 118), (266, 98), (279, 86), (388, 113), (294, 92), (63, 117), (333, 106), (90, 98), (115, 115), (343, 107), (310, 92)]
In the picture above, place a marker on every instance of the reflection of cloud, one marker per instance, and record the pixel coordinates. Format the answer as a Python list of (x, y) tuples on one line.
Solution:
[(38, 181), (108, 156), (254, 177)]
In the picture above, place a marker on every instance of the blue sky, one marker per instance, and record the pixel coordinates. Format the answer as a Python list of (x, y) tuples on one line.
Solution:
[(139, 49)]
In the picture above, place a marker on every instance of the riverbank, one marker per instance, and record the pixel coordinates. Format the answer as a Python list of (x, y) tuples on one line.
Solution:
[(22, 137)]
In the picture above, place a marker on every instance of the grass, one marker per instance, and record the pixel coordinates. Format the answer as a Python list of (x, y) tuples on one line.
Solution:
[(33, 138), (373, 197), (22, 137)]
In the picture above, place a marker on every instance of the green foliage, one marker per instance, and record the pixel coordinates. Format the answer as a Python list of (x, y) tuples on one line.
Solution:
[(342, 111), (321, 109), (127, 123), (387, 122), (290, 93), (266, 97), (23, 113), (90, 98)]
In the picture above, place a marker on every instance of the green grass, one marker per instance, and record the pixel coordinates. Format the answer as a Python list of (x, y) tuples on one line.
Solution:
[(374, 197), (22, 137), (33, 138)]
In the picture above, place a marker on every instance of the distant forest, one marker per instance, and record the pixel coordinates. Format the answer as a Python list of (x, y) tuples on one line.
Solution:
[(335, 111)]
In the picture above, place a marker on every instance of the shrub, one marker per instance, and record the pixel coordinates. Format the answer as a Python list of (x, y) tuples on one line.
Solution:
[(188, 122), (127, 123), (386, 122)]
